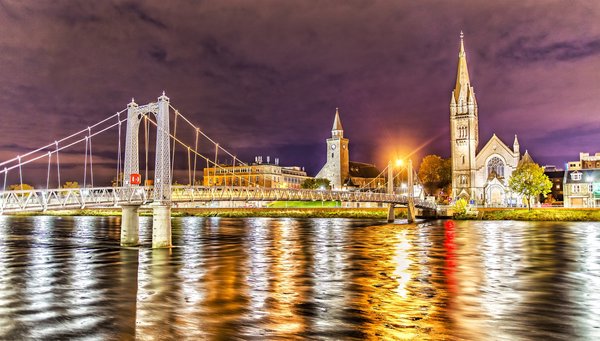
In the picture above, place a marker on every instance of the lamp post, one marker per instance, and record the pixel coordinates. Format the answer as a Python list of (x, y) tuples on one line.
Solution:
[(390, 184)]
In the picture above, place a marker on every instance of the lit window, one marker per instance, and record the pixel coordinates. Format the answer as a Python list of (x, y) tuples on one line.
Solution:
[(495, 166)]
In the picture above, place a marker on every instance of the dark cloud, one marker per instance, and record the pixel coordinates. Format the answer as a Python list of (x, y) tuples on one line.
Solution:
[(530, 50)]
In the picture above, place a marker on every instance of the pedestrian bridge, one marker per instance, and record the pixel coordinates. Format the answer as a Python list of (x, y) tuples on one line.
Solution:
[(194, 147), (109, 197)]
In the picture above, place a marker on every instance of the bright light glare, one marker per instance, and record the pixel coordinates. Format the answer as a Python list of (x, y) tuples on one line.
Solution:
[(399, 163)]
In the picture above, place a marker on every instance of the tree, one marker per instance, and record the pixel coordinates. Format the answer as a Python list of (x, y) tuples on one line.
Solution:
[(71, 184), (530, 181), (19, 187), (435, 173), (315, 183)]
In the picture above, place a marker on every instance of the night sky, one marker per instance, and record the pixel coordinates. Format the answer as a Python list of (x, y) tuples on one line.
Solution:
[(265, 77)]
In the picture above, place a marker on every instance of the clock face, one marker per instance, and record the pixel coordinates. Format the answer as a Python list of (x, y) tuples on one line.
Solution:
[(333, 146)]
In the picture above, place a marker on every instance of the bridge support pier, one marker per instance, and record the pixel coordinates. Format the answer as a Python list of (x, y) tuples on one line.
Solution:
[(130, 225), (410, 212), (161, 226), (391, 214)]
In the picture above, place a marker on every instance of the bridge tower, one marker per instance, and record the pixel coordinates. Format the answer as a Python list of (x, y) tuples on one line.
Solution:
[(161, 221)]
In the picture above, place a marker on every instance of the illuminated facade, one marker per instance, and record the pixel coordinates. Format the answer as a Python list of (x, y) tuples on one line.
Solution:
[(256, 174), (582, 182), (480, 177)]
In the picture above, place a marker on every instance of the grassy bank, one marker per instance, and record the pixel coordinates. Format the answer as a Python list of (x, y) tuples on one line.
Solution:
[(320, 212), (540, 214), (298, 212), (304, 204)]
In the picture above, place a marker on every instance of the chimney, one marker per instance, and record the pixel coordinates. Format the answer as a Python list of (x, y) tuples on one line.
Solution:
[(268, 159)]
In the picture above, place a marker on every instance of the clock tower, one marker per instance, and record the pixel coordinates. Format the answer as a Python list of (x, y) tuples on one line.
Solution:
[(337, 167)]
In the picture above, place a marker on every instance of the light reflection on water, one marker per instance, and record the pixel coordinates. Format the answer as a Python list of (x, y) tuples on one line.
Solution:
[(266, 278)]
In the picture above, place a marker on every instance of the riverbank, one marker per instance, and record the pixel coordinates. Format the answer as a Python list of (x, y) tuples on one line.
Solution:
[(536, 214), (321, 212)]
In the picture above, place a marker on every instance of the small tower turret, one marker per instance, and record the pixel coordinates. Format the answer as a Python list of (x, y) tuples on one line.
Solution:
[(516, 145)]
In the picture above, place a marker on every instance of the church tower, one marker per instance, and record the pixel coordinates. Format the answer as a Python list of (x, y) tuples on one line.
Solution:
[(464, 132), (337, 167)]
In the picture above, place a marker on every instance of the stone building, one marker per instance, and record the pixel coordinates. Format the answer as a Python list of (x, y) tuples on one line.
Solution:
[(480, 176), (340, 171)]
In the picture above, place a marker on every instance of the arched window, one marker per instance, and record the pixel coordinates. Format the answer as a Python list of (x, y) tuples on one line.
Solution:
[(495, 166)]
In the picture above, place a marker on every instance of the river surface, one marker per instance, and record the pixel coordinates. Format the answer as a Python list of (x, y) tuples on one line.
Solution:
[(261, 278)]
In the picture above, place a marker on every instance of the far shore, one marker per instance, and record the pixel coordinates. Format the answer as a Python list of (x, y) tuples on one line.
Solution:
[(519, 214), (291, 212), (535, 214)]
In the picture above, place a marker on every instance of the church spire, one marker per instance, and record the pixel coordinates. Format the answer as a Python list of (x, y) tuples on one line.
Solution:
[(462, 75), (337, 130)]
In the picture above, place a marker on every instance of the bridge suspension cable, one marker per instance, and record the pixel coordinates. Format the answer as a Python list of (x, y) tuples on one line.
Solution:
[(58, 145), (367, 185), (203, 134), (208, 161)]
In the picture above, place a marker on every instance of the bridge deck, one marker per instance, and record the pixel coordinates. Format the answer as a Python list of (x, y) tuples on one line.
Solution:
[(106, 197)]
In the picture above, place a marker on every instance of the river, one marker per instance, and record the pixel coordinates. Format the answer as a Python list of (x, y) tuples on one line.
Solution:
[(282, 278)]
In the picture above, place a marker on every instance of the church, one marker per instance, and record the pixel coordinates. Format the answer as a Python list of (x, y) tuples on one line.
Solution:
[(340, 171), (480, 177)]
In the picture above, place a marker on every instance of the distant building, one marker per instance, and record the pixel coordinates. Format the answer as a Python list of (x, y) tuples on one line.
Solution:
[(478, 176), (340, 171), (582, 182), (256, 174), (556, 175)]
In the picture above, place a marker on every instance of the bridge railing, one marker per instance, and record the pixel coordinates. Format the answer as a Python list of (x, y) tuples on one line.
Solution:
[(79, 198), (72, 198), (234, 193)]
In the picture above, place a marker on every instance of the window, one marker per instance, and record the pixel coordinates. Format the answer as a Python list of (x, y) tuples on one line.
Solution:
[(575, 188), (576, 176), (463, 159), (495, 167)]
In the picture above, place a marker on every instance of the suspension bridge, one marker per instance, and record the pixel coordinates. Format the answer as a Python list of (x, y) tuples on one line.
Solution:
[(128, 192)]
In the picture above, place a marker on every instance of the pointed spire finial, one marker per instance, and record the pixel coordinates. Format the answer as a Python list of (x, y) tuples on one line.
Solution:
[(163, 92), (132, 100)]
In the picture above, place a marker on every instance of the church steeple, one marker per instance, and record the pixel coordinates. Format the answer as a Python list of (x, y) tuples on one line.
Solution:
[(464, 131), (337, 130), (462, 89)]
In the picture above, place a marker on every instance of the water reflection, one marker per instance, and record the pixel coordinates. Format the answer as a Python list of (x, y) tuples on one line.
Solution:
[(64, 278)]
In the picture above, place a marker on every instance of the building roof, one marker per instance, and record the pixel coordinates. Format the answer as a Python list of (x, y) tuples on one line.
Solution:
[(363, 170), (525, 159), (588, 176)]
